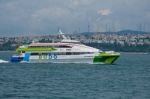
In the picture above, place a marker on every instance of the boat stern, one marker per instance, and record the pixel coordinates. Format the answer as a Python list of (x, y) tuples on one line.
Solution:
[(16, 59)]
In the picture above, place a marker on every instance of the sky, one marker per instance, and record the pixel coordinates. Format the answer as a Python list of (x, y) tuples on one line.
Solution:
[(40, 17)]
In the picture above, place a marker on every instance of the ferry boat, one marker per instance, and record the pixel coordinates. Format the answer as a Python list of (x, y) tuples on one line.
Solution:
[(66, 51)]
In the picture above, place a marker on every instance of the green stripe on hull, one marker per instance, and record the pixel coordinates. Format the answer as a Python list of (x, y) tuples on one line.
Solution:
[(105, 59), (34, 49)]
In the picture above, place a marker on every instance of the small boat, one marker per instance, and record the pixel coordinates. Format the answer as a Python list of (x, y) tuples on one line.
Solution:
[(66, 51)]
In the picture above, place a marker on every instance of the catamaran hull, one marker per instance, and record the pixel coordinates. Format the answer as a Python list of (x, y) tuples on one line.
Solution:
[(87, 60), (107, 59)]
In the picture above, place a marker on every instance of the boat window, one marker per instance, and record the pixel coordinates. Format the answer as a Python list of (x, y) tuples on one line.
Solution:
[(63, 53), (40, 46), (34, 53), (63, 46), (68, 53)]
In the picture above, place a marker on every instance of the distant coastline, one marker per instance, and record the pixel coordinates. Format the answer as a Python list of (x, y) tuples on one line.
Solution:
[(122, 41)]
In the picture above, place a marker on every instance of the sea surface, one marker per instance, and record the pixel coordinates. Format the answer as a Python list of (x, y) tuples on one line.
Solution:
[(128, 78)]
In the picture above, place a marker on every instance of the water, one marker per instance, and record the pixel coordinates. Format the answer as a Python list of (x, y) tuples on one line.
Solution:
[(129, 78)]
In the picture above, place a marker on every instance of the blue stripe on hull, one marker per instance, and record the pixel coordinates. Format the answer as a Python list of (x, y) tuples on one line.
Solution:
[(27, 57)]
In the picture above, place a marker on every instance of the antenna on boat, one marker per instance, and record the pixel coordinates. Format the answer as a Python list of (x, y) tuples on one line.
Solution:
[(67, 39), (62, 34)]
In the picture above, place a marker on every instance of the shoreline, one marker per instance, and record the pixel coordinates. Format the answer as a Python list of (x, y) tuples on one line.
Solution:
[(135, 52), (118, 51)]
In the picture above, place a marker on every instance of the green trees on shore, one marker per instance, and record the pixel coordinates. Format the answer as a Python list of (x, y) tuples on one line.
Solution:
[(122, 48)]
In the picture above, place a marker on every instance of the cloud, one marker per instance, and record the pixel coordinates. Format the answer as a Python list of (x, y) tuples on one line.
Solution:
[(104, 12), (45, 16), (82, 2)]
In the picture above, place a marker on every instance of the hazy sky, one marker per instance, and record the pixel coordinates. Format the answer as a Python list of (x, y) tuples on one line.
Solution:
[(18, 17)]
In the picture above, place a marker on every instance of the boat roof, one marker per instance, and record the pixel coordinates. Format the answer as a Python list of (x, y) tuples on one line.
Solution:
[(69, 41), (49, 44)]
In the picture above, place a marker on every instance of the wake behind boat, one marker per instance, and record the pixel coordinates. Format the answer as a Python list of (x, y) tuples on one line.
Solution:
[(3, 61), (66, 51)]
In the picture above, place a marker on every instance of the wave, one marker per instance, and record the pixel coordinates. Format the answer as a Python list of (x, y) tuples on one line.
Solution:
[(3, 61)]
